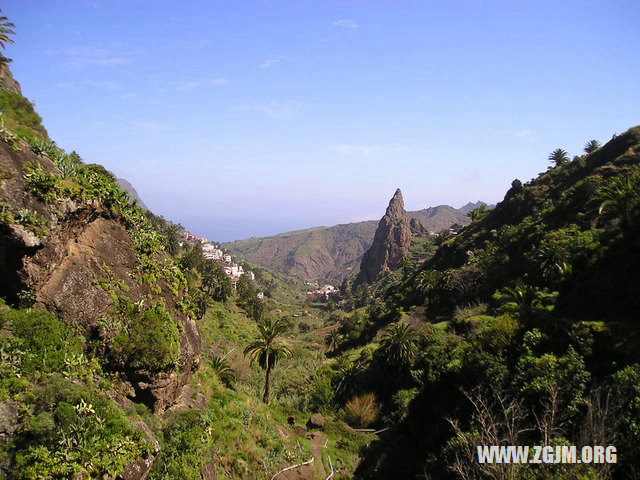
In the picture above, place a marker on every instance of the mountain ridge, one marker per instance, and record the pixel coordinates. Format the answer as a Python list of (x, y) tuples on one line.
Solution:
[(333, 253)]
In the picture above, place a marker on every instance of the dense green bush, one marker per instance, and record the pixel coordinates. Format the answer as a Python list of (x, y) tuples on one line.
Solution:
[(148, 341), (20, 115), (72, 431), (46, 339)]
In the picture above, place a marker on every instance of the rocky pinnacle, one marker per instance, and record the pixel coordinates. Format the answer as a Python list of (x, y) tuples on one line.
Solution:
[(390, 243)]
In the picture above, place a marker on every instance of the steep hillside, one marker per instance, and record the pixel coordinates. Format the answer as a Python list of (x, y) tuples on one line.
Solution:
[(103, 370), (521, 330), (332, 253)]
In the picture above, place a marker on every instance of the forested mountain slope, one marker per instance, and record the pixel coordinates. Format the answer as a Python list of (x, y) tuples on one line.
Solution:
[(522, 330)]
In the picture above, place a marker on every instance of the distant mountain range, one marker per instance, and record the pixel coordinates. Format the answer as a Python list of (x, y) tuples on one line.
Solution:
[(333, 253)]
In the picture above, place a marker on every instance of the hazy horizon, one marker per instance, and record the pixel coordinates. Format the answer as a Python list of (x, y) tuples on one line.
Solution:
[(255, 118)]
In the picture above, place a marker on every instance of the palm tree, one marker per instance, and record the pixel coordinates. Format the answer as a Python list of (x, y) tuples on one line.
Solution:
[(591, 146), (266, 349), (621, 199), (552, 262), (6, 29), (347, 380), (522, 299), (399, 344), (332, 340), (478, 213), (559, 157)]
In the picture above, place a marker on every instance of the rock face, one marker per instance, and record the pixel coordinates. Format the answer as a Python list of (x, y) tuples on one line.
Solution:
[(390, 243), (417, 228), (6, 79), (61, 269), (316, 421)]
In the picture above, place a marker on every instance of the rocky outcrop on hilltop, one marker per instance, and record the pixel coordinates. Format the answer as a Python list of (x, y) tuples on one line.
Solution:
[(7, 81), (77, 259), (390, 243)]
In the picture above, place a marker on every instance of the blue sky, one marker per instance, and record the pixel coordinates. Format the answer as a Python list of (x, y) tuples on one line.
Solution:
[(252, 118)]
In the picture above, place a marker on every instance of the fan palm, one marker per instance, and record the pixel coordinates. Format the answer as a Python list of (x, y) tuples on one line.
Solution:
[(267, 350), (559, 157), (621, 199), (399, 344), (592, 146)]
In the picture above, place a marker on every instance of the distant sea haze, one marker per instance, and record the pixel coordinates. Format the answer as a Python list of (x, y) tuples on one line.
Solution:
[(230, 228)]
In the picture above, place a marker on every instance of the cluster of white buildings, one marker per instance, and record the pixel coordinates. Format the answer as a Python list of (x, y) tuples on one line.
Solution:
[(326, 291), (211, 251)]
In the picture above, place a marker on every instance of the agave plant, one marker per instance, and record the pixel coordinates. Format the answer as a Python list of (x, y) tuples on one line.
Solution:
[(68, 169), (25, 217)]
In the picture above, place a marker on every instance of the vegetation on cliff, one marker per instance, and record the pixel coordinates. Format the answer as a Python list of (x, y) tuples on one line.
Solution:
[(520, 330)]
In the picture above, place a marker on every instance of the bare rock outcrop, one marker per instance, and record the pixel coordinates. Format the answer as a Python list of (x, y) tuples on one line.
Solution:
[(64, 268), (6, 79), (390, 243)]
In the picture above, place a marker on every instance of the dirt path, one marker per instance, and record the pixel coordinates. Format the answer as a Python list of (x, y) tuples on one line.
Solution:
[(313, 471), (317, 445)]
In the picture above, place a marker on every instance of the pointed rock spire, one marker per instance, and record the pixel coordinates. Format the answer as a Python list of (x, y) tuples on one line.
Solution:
[(390, 243)]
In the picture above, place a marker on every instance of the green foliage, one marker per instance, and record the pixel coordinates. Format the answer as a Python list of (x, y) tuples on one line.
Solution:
[(552, 352), (41, 341), (398, 344), (148, 341), (33, 221), (559, 157), (223, 370), (73, 431), (43, 186), (186, 443), (5, 173), (248, 299), (332, 340), (5, 213), (20, 116), (215, 281), (621, 200), (6, 31), (478, 213), (67, 427), (266, 349), (591, 146)]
